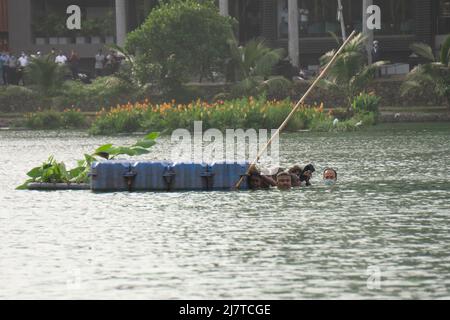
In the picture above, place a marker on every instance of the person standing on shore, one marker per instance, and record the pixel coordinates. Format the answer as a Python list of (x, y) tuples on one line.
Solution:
[(74, 61), (99, 63), (22, 64), (61, 59), (12, 70), (4, 57), (2, 62)]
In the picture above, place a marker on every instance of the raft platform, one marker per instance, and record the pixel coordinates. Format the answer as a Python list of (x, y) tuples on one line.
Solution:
[(119, 175)]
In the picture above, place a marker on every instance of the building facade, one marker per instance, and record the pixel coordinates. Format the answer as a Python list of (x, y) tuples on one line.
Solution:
[(4, 25), (38, 25), (402, 23)]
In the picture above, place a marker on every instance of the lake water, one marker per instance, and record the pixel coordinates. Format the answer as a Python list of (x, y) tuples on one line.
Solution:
[(383, 232)]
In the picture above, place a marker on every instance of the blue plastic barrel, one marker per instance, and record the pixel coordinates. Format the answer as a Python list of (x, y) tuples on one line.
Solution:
[(189, 176), (154, 175), (166, 176), (227, 174), (111, 175)]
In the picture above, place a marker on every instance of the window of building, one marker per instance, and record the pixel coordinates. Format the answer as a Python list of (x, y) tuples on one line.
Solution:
[(249, 15), (3, 16), (318, 18), (397, 16), (444, 17), (49, 19), (3, 41)]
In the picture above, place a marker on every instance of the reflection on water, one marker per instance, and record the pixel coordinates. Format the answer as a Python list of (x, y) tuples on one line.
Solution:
[(389, 216)]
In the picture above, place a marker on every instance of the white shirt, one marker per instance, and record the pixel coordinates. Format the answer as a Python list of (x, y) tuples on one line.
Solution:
[(23, 61), (99, 60), (61, 59)]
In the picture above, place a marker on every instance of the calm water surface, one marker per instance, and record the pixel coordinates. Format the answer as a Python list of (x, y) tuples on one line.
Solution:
[(388, 220)]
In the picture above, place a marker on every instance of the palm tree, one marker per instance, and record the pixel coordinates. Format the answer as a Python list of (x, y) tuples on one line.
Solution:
[(253, 65), (434, 75), (350, 73), (46, 75)]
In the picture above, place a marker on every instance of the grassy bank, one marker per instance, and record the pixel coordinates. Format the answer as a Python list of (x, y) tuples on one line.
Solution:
[(239, 113)]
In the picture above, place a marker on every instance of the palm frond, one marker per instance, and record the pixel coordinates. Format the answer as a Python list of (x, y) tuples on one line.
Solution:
[(423, 50), (328, 85), (428, 75), (335, 38), (265, 64), (45, 74), (445, 51), (360, 80)]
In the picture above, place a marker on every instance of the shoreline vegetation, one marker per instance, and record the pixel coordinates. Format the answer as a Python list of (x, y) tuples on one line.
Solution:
[(244, 113)]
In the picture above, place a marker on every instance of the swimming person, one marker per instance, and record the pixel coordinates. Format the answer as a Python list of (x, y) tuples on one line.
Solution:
[(296, 169), (284, 180), (258, 181), (295, 180), (306, 174), (329, 176)]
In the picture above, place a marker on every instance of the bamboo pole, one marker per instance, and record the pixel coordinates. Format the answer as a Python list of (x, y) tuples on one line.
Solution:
[(299, 103)]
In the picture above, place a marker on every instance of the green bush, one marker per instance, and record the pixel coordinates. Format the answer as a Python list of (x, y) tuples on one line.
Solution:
[(48, 119), (180, 39), (51, 120), (122, 119), (341, 113), (102, 92), (73, 119), (366, 102), (19, 99), (366, 118), (46, 76)]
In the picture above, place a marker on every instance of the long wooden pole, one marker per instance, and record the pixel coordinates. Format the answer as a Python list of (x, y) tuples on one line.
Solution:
[(299, 103)]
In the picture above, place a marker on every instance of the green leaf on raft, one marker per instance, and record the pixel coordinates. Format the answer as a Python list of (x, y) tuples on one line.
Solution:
[(24, 186), (89, 159), (139, 151), (35, 172), (145, 143), (104, 148), (152, 136)]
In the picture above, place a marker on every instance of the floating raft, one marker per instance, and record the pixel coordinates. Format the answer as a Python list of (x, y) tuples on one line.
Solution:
[(166, 176), (58, 186)]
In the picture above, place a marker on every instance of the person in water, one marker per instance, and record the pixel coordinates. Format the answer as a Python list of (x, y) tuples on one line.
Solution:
[(279, 170), (295, 180), (258, 181), (329, 176), (284, 180), (306, 174), (296, 169)]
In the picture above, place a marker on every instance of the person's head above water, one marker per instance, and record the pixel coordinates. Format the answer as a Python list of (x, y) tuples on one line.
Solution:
[(329, 176), (254, 181), (295, 180), (284, 180), (306, 174), (296, 169)]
